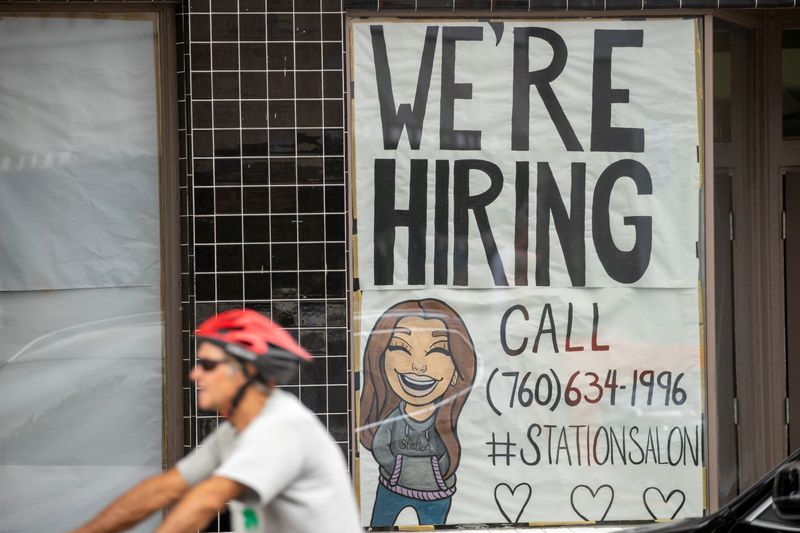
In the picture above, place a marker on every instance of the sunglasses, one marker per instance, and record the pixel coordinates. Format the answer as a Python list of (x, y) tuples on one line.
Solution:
[(208, 365)]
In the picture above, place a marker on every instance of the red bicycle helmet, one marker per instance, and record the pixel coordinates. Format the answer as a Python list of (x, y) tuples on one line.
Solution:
[(249, 336)]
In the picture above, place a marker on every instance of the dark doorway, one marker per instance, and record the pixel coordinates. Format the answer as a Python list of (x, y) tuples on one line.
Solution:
[(756, 76)]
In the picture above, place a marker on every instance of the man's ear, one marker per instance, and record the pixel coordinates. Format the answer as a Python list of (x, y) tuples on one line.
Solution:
[(454, 378)]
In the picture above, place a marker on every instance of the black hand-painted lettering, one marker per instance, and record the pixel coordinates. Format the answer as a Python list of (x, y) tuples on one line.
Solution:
[(504, 330), (388, 218), (501, 449), (537, 453), (449, 137), (441, 234), (462, 203), (523, 79), (606, 138), (569, 227), (394, 119), (521, 224), (547, 314), (568, 340), (596, 346), (622, 266)]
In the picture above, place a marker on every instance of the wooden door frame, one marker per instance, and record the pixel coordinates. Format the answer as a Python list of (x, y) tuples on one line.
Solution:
[(781, 158), (758, 282), (721, 412), (759, 286), (721, 425), (792, 300)]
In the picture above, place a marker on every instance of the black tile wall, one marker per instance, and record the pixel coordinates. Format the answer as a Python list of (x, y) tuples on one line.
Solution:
[(263, 221)]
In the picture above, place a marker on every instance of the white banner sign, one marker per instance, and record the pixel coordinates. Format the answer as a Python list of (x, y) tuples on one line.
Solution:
[(527, 225)]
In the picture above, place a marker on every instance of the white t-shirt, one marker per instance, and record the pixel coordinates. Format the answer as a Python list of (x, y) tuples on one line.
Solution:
[(296, 475)]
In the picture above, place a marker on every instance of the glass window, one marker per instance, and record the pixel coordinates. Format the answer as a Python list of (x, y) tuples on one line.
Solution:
[(722, 85), (80, 298), (790, 58)]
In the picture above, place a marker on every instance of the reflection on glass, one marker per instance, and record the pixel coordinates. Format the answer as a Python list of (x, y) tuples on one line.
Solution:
[(722, 86), (790, 58), (80, 301)]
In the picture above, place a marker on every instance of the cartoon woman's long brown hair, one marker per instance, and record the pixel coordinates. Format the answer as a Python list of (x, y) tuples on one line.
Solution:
[(377, 398)]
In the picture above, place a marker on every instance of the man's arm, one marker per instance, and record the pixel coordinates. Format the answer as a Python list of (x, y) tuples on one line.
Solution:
[(138, 503), (201, 504)]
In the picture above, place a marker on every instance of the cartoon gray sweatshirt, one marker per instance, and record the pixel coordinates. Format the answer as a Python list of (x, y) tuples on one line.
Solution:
[(412, 457)]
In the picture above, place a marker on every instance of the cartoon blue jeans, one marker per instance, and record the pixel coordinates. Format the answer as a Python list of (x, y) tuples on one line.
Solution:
[(388, 505)]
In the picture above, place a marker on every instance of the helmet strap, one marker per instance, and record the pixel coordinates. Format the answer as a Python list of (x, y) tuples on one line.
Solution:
[(240, 393), (252, 378)]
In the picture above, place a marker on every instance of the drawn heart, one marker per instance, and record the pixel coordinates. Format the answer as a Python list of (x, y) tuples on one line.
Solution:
[(592, 503), (511, 499), (659, 506)]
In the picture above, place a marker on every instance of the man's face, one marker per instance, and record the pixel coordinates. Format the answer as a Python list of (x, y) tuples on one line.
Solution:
[(418, 362), (216, 388)]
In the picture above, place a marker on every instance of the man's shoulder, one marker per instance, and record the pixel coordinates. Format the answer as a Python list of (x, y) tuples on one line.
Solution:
[(283, 404), (286, 411), (283, 399), (285, 425)]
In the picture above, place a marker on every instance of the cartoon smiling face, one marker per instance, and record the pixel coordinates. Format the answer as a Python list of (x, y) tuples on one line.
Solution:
[(418, 363)]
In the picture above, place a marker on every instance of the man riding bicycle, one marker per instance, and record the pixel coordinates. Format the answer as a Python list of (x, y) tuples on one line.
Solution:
[(272, 459)]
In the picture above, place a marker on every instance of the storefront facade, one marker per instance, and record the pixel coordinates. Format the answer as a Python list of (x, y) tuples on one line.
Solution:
[(258, 197)]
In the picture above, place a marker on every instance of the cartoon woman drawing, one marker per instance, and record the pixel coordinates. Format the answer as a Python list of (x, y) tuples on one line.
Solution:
[(419, 366)]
